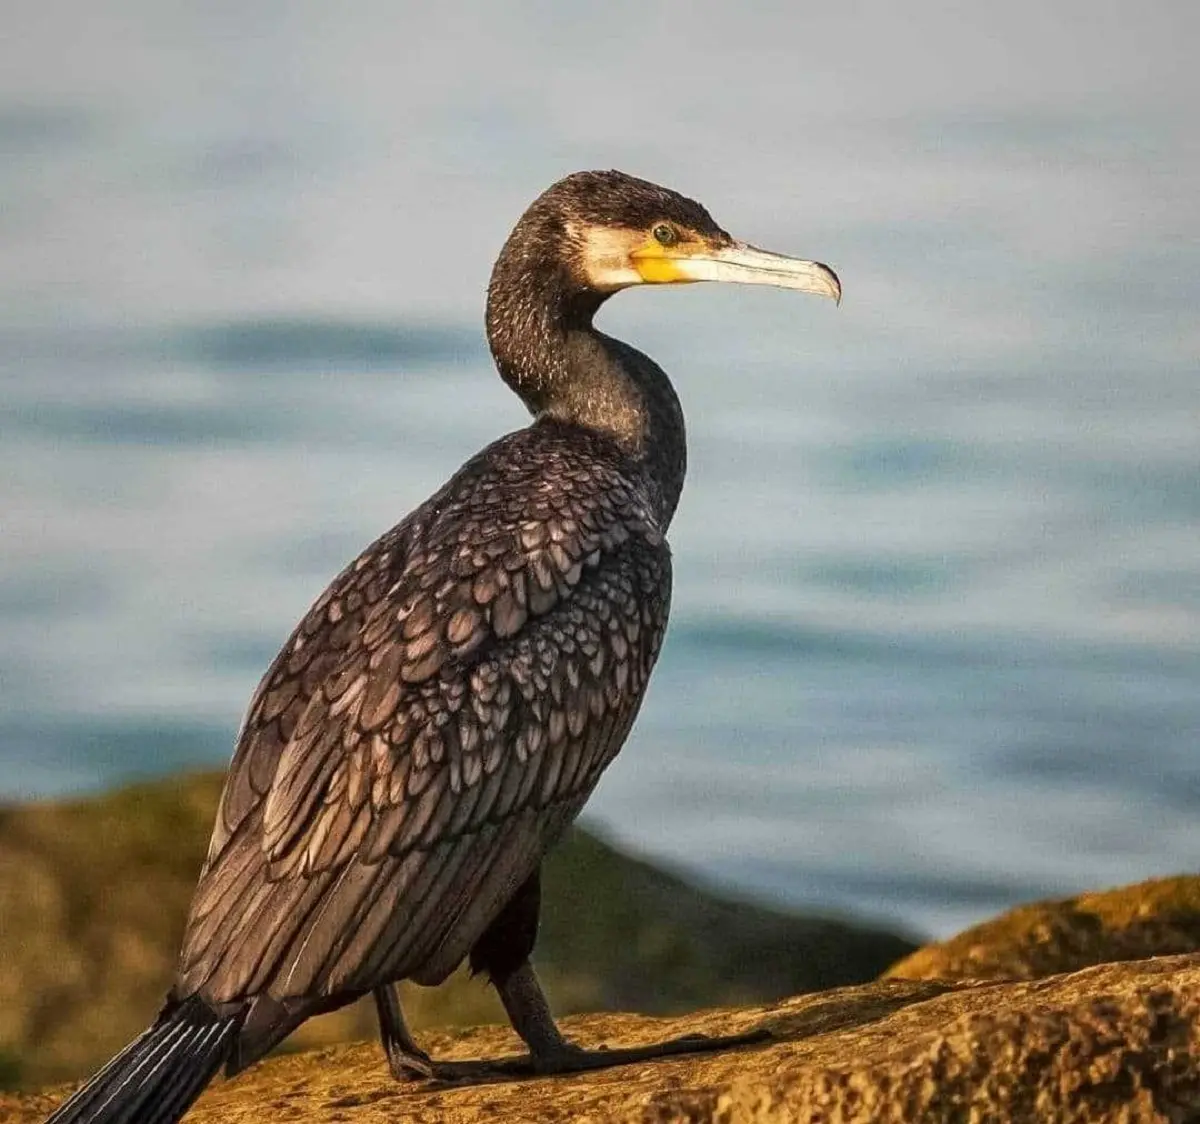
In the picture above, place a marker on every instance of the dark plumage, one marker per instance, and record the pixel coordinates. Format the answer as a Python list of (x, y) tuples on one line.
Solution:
[(443, 711), (431, 727)]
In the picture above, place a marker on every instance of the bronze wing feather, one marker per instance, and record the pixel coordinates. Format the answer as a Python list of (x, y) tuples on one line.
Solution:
[(430, 728)]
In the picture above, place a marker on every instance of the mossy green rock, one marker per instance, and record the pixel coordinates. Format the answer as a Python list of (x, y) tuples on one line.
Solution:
[(1156, 918), (93, 896)]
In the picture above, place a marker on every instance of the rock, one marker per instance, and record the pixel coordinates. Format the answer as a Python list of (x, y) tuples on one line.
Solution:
[(93, 895), (1156, 918), (1118, 1043)]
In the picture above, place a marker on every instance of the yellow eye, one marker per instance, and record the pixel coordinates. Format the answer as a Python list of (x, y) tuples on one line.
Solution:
[(665, 234)]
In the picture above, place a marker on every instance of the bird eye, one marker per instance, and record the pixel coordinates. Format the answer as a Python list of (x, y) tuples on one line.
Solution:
[(665, 234)]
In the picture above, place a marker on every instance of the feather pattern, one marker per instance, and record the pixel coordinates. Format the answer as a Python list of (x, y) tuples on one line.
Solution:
[(431, 726)]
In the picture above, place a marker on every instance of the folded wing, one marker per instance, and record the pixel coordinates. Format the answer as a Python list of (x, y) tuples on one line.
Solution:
[(431, 727)]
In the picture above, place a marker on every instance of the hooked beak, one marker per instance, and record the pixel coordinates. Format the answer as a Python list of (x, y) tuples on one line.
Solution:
[(738, 263)]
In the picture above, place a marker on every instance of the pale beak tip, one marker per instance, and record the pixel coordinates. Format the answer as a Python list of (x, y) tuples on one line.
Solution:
[(835, 284)]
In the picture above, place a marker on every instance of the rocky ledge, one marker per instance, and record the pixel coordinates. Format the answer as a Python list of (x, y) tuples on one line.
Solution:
[(1119, 1042), (969, 1030), (1160, 917), (94, 892)]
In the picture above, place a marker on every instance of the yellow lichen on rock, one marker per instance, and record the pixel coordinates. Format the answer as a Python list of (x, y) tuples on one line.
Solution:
[(1116, 1044), (1160, 917)]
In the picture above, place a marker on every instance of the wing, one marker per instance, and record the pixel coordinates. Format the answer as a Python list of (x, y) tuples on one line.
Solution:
[(433, 724)]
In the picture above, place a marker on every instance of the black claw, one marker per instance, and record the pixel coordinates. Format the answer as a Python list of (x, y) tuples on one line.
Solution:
[(407, 1068)]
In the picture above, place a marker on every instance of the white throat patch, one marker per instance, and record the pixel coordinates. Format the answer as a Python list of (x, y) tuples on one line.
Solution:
[(604, 252)]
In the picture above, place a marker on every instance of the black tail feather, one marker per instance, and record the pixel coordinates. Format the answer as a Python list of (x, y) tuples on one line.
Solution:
[(155, 1079)]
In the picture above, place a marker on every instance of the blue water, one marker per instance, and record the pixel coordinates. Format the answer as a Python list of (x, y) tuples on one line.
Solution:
[(936, 637)]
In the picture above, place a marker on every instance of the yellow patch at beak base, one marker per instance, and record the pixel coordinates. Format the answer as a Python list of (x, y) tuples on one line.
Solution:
[(660, 265)]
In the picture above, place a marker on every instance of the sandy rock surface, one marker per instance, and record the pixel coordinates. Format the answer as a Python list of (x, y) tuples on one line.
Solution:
[(1119, 1043)]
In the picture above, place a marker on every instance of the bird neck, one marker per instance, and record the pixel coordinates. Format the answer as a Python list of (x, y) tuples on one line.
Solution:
[(562, 368)]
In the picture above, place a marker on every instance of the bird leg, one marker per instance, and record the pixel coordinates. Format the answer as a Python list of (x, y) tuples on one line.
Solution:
[(406, 1060), (550, 1052), (502, 952)]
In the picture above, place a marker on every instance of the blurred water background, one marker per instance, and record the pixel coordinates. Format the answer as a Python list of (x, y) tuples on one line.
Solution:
[(936, 637)]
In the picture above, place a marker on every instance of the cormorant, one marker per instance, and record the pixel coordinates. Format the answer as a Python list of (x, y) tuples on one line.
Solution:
[(443, 711)]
